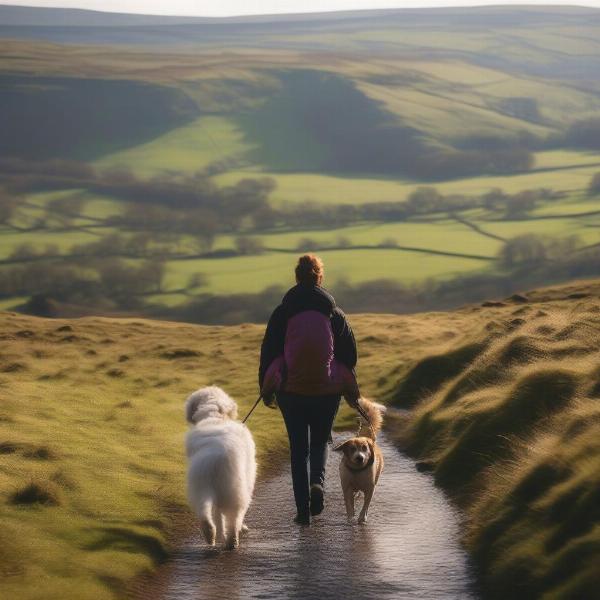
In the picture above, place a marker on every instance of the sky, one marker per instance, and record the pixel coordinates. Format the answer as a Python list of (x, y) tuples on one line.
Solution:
[(223, 8)]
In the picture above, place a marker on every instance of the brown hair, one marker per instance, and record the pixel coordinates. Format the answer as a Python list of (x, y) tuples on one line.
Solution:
[(309, 270)]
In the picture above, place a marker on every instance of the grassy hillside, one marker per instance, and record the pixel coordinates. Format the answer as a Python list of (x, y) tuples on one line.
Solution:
[(76, 117), (507, 418), (503, 401), (91, 443), (91, 439)]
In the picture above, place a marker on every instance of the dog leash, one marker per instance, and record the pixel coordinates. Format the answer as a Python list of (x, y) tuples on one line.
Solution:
[(358, 408), (364, 415), (252, 409)]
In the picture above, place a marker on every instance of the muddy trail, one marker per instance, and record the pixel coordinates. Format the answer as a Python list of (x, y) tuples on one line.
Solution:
[(409, 548)]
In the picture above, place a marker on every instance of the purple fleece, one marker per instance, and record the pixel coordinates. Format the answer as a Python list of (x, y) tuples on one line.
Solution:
[(311, 369)]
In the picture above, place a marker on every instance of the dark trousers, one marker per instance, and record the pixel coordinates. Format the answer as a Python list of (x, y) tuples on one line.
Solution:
[(308, 420)]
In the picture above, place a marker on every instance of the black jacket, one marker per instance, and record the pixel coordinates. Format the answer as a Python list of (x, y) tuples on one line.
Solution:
[(297, 299)]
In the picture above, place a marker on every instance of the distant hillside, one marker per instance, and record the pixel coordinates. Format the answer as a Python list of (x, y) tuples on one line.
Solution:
[(84, 118), (449, 154), (69, 17), (82, 26), (514, 15)]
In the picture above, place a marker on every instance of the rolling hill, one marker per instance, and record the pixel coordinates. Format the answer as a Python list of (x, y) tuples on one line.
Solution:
[(346, 114), (519, 376)]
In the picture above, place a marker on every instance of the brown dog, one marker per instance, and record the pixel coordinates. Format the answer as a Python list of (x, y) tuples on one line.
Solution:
[(362, 462)]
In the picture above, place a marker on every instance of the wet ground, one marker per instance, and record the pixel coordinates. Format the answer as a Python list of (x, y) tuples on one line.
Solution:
[(409, 548)]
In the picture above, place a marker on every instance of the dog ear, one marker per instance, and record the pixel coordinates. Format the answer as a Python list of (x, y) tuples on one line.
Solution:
[(341, 447), (191, 406), (227, 407)]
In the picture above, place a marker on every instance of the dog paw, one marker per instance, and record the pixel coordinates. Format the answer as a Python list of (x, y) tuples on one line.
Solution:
[(245, 528), (232, 544), (362, 519)]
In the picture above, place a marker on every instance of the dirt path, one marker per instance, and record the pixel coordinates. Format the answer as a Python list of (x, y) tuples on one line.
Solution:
[(408, 550)]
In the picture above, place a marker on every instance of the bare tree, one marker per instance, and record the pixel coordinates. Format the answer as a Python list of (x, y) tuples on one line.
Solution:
[(138, 244), (23, 252), (424, 200), (494, 200), (594, 186), (523, 249), (8, 206), (249, 245), (519, 205), (196, 280), (151, 275)]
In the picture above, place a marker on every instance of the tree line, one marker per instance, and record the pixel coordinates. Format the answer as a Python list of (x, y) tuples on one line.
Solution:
[(192, 204), (524, 271), (158, 210), (109, 284), (186, 203), (99, 285)]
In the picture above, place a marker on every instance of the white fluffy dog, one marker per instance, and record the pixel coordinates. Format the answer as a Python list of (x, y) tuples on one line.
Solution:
[(222, 465)]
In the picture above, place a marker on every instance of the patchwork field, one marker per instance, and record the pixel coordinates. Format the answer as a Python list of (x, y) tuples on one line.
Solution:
[(340, 114), (409, 251)]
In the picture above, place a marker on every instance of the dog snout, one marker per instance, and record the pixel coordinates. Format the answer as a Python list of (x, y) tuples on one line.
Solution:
[(360, 458)]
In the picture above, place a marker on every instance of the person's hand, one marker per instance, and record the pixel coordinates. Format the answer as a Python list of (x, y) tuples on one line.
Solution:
[(270, 400), (352, 401)]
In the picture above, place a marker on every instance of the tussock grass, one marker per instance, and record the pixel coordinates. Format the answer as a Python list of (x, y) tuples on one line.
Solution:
[(97, 439), (432, 371), (514, 435), (41, 453), (37, 492)]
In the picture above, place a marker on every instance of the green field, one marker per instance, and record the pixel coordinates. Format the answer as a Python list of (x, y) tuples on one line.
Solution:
[(568, 176), (419, 253), (186, 149), (424, 248), (333, 119), (252, 274)]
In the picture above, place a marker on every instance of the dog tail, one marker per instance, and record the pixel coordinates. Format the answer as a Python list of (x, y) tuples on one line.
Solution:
[(375, 412)]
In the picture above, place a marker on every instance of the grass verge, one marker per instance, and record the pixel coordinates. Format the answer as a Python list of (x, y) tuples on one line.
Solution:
[(509, 423)]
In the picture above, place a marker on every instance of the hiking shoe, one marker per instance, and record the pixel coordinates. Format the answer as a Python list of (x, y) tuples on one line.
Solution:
[(316, 499), (302, 518)]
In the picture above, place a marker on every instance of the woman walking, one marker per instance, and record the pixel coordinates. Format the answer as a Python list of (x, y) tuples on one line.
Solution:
[(306, 338)]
